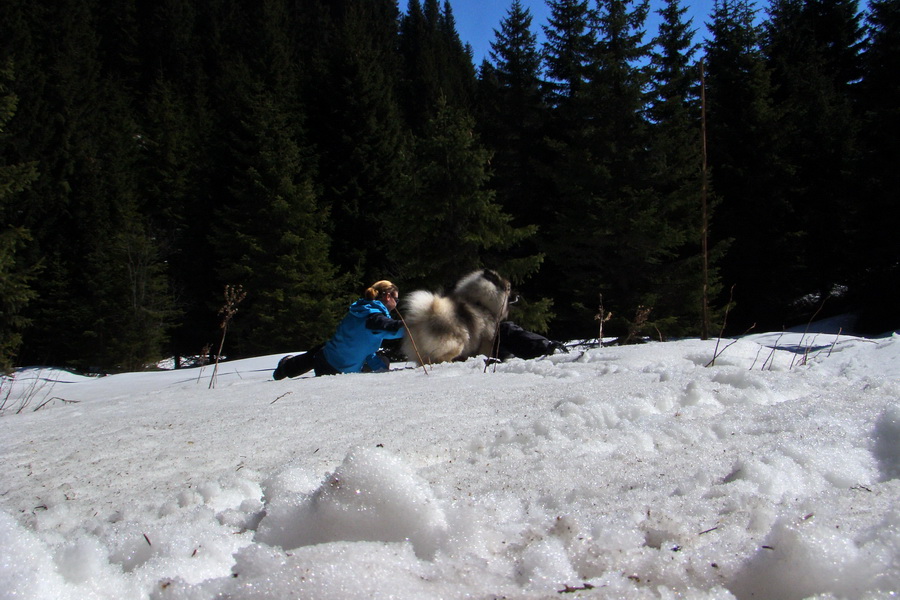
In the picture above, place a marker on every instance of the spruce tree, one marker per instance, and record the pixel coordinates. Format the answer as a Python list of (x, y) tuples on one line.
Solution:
[(812, 49), (80, 126), (607, 230), (567, 51), (753, 214), (513, 117), (15, 279), (569, 166), (175, 167), (874, 250), (447, 222), (512, 122), (676, 148), (356, 125), (268, 236), (436, 66), (268, 231)]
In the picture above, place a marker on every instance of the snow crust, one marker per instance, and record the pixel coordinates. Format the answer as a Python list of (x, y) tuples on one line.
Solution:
[(616, 472)]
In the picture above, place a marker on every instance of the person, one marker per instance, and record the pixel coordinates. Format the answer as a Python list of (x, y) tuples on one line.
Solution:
[(355, 344), (515, 342)]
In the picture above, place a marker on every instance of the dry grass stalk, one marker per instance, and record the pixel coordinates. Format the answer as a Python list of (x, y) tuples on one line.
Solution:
[(234, 294), (602, 317)]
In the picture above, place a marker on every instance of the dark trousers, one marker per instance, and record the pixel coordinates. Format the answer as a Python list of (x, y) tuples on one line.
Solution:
[(322, 366), (299, 364)]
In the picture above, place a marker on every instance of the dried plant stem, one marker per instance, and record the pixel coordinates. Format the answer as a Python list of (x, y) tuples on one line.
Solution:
[(413, 340), (233, 296), (602, 317), (722, 330)]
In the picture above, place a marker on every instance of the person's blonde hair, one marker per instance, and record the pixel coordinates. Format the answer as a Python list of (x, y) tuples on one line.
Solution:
[(380, 287)]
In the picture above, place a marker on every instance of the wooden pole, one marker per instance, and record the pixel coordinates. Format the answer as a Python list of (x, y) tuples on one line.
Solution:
[(704, 228)]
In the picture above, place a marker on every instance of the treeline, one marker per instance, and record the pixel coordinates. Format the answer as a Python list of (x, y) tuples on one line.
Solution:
[(152, 153)]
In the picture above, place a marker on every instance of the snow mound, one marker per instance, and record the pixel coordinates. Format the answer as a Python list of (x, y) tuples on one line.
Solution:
[(371, 496)]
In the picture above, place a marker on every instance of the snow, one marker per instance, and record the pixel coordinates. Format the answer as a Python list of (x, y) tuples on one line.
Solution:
[(609, 472)]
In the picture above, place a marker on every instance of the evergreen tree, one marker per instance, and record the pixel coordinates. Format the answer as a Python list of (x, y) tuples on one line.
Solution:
[(358, 130), (513, 116), (567, 51), (874, 250), (177, 136), (268, 230), (753, 213), (613, 217), (674, 113), (436, 66), (448, 223), (268, 236), (812, 49), (569, 166), (80, 126), (15, 280)]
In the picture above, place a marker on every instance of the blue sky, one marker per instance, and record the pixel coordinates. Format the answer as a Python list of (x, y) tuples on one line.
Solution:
[(476, 20)]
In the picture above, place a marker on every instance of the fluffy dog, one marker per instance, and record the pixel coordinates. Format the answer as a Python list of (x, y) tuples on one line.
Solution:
[(459, 325)]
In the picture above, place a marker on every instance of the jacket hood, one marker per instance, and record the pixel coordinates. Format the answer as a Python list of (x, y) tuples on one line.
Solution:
[(363, 308)]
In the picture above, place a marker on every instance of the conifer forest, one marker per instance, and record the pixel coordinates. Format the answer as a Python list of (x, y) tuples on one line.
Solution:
[(156, 153)]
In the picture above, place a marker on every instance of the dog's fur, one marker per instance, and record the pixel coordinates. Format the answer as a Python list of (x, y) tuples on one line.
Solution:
[(458, 325)]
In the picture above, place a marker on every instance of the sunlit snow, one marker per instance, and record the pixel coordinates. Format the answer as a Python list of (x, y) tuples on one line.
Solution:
[(608, 472)]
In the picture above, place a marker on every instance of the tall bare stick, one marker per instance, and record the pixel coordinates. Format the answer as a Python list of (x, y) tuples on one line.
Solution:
[(413, 340), (704, 227), (233, 297)]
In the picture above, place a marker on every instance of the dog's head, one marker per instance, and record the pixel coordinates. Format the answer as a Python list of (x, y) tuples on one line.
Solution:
[(487, 288)]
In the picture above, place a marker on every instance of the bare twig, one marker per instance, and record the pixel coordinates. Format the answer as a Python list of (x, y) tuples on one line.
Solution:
[(722, 331), (840, 329), (805, 331), (771, 358), (49, 400), (280, 397), (233, 296), (494, 359), (733, 342), (204, 358), (602, 317), (413, 340)]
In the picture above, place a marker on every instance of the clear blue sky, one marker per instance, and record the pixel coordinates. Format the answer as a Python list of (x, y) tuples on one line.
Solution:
[(476, 20)]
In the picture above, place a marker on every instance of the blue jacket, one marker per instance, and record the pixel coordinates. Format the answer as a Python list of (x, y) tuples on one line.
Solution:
[(359, 335)]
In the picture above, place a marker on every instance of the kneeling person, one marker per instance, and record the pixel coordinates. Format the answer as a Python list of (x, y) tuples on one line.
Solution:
[(357, 339)]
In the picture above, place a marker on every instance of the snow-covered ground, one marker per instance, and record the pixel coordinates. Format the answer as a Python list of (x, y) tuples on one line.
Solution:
[(614, 472)]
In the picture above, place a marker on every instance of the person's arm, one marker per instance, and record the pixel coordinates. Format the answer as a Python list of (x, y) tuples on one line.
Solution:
[(379, 322)]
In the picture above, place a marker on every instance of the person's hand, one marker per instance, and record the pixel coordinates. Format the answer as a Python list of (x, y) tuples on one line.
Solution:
[(559, 347)]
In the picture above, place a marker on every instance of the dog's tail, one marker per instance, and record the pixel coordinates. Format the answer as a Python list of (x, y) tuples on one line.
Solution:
[(432, 322)]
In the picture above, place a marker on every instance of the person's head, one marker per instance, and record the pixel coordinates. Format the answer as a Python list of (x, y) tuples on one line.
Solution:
[(385, 292)]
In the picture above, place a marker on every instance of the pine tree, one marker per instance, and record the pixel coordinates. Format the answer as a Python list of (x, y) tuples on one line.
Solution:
[(753, 214), (512, 114), (812, 49), (448, 223), (436, 66), (15, 279), (356, 125), (268, 231), (674, 113), (80, 126), (873, 249)]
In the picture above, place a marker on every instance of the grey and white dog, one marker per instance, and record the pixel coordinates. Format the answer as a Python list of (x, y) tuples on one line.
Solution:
[(457, 325)]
